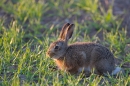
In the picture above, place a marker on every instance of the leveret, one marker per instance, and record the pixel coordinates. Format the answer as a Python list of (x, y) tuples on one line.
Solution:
[(81, 56)]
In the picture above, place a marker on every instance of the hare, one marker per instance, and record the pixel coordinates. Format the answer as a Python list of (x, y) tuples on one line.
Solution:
[(81, 56)]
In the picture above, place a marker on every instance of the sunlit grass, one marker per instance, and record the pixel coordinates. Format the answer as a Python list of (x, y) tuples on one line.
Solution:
[(24, 42), (116, 40)]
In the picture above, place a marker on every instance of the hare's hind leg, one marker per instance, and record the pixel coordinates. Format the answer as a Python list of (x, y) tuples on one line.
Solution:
[(102, 61), (103, 67)]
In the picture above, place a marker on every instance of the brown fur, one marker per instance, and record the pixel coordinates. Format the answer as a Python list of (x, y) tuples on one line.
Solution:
[(72, 57), (71, 62)]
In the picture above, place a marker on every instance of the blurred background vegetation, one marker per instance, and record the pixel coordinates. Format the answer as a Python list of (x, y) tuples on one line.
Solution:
[(27, 27)]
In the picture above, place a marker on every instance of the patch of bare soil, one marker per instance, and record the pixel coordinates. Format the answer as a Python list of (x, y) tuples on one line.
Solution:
[(122, 9), (7, 18)]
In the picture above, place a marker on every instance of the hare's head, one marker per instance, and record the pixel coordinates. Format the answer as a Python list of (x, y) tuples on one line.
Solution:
[(58, 48)]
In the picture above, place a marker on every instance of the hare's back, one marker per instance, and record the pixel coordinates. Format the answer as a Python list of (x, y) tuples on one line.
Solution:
[(91, 48)]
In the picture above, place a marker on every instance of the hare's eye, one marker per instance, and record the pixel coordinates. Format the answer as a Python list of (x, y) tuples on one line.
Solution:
[(56, 47)]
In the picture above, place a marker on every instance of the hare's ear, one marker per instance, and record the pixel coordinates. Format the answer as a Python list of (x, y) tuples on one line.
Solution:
[(62, 33), (69, 32)]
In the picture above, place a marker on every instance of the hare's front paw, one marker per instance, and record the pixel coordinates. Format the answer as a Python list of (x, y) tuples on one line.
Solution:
[(85, 70)]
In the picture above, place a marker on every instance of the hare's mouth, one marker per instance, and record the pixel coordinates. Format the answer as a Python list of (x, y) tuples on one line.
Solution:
[(51, 55), (54, 55)]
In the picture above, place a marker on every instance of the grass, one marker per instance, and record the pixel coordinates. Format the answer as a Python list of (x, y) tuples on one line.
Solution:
[(25, 40)]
